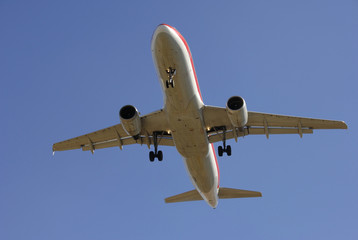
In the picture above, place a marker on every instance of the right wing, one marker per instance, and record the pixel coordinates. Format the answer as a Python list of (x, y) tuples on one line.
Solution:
[(115, 136), (275, 120), (216, 119)]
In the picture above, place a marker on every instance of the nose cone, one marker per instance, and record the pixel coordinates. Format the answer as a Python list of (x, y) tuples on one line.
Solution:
[(167, 31), (164, 29)]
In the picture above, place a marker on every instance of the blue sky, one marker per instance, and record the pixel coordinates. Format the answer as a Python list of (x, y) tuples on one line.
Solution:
[(67, 67)]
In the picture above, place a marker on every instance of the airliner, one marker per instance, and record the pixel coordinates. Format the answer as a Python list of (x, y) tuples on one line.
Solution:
[(186, 123)]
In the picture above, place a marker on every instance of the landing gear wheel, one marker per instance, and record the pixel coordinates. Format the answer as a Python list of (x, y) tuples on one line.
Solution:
[(220, 151), (151, 156), (169, 83), (160, 155), (228, 150)]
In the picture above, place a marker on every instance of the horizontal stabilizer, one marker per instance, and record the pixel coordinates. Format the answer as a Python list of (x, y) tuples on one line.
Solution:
[(237, 193), (194, 195)]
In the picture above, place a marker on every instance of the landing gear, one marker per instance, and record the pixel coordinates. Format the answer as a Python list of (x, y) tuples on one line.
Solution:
[(156, 153), (220, 151), (171, 72), (153, 155), (224, 148), (160, 155), (228, 150)]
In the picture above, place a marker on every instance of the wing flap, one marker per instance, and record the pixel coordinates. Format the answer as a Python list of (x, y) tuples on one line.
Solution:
[(219, 136), (110, 143), (128, 141)]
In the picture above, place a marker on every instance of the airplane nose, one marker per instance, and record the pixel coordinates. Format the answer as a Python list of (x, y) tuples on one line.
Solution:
[(164, 33), (165, 25), (160, 29), (164, 28)]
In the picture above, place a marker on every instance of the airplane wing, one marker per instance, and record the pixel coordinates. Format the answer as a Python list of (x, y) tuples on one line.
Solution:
[(216, 119), (116, 136)]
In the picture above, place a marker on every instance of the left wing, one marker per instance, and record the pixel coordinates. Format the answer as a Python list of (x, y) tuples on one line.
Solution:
[(115, 136), (216, 119)]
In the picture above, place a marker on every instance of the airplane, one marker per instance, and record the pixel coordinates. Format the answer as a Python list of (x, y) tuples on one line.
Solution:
[(191, 126)]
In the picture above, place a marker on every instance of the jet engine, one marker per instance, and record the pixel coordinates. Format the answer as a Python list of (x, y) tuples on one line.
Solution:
[(130, 120), (237, 111)]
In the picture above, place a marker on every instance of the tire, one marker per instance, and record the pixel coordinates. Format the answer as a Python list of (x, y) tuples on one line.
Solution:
[(151, 156), (160, 155), (228, 150), (167, 84), (220, 151)]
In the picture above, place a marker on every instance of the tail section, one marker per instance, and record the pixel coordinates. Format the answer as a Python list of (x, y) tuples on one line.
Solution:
[(194, 195)]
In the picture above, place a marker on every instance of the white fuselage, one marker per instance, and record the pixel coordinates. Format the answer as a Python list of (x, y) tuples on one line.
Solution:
[(183, 105)]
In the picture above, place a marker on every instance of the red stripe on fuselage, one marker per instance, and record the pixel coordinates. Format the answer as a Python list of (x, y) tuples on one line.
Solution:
[(216, 162), (197, 86)]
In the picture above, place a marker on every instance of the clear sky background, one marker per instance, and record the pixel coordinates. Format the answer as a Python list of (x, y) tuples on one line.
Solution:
[(67, 67)]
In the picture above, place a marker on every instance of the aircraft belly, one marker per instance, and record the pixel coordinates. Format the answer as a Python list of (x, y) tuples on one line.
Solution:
[(183, 104), (204, 176), (201, 172)]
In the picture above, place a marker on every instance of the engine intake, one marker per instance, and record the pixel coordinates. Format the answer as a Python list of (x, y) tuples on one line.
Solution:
[(237, 111), (130, 119)]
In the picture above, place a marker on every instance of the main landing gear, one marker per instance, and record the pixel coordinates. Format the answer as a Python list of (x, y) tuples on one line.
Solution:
[(224, 148), (156, 153), (171, 72)]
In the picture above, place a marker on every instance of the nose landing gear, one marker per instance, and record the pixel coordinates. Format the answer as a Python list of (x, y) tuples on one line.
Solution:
[(171, 72)]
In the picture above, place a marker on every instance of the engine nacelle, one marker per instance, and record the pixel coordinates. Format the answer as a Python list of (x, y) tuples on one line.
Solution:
[(130, 120), (237, 111)]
